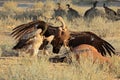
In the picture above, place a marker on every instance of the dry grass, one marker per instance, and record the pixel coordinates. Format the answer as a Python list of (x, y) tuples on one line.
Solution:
[(41, 69), (16, 68)]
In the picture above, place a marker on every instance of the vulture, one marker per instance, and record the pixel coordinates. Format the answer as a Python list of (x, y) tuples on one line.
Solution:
[(79, 38), (110, 14), (59, 11), (30, 42), (28, 34), (118, 12), (92, 12), (48, 32), (72, 13), (79, 41), (74, 39), (64, 33)]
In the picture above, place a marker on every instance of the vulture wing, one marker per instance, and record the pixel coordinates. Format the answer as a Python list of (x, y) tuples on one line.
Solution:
[(27, 39), (24, 32), (32, 41), (92, 39), (21, 30)]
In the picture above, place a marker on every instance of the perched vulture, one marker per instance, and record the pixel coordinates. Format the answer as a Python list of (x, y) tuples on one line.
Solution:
[(72, 13), (110, 14), (92, 12), (118, 12), (59, 11)]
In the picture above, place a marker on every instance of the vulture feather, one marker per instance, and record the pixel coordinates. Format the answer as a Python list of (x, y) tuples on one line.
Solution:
[(30, 42), (92, 39), (76, 38)]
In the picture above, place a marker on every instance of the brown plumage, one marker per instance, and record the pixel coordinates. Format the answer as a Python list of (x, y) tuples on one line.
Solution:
[(64, 33), (30, 43), (79, 38), (76, 38), (47, 30), (19, 31), (92, 39), (25, 31)]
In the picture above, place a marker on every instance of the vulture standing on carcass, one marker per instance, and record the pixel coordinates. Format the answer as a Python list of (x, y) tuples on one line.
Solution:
[(79, 38), (74, 39)]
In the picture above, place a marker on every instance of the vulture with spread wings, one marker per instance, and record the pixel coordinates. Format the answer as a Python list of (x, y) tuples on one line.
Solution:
[(76, 42), (76, 38), (30, 42), (32, 33)]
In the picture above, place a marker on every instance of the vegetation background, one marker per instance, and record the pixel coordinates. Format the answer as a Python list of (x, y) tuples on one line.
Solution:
[(17, 68)]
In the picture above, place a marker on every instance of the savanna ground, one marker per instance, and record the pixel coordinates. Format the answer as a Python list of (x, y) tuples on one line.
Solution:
[(18, 68)]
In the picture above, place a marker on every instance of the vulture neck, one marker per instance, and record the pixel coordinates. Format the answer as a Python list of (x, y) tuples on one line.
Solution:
[(63, 23), (104, 6)]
